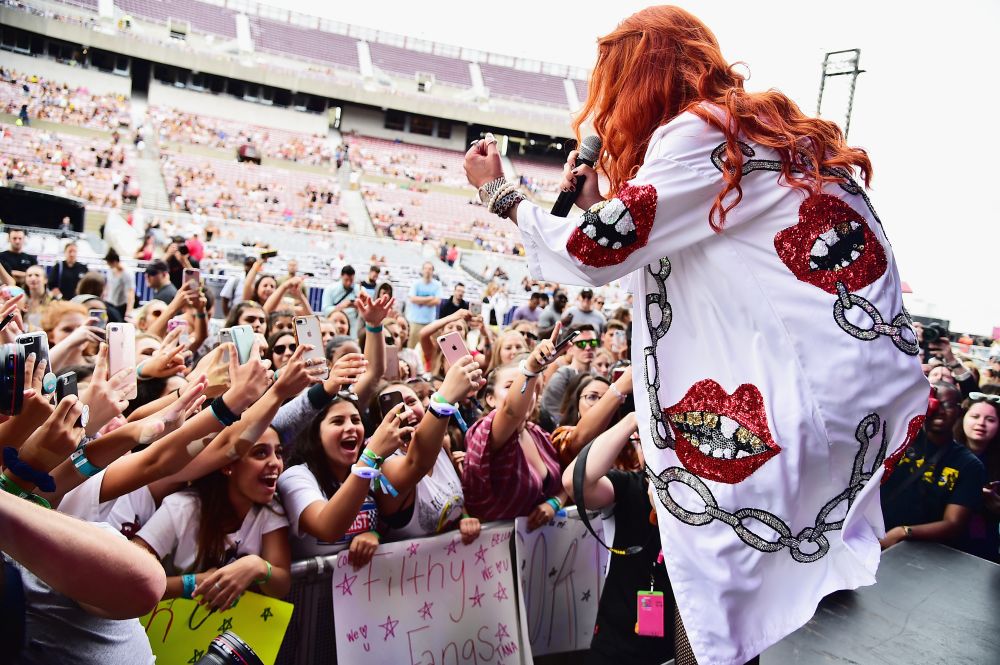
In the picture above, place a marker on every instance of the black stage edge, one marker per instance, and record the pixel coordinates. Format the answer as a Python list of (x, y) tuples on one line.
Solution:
[(932, 605)]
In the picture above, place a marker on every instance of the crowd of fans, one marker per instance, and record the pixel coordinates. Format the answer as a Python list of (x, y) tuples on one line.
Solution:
[(29, 96), (244, 460)]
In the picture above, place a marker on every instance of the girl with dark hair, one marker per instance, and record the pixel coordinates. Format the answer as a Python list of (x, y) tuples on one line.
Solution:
[(280, 347), (327, 489), (979, 431), (591, 406), (430, 498), (228, 533)]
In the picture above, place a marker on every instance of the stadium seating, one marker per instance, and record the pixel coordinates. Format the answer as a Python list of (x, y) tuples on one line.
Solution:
[(530, 86), (228, 189), (541, 178), (405, 160), (203, 17), (60, 102), (306, 43)]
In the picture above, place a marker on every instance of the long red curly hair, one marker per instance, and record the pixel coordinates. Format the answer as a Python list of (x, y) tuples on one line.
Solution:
[(663, 61)]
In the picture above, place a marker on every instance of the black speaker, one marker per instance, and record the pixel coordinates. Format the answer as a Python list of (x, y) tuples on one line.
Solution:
[(24, 206)]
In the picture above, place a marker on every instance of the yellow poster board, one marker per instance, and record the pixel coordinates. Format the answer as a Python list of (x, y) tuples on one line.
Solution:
[(180, 630)]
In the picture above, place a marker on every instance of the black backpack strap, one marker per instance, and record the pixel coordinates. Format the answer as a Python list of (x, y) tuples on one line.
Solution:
[(579, 474)]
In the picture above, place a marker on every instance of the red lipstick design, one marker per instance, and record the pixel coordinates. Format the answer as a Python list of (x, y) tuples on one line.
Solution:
[(612, 230), (911, 435), (831, 243), (721, 437)]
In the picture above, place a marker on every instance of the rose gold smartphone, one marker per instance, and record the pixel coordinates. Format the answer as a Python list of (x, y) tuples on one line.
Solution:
[(453, 347), (121, 352)]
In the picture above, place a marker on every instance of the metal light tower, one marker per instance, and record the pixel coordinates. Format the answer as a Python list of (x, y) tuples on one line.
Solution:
[(841, 63)]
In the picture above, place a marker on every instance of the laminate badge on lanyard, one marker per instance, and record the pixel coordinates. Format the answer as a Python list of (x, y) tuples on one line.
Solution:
[(649, 614)]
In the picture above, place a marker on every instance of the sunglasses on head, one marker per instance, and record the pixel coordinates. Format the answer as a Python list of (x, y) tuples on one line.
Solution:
[(584, 343), (532, 336), (279, 349), (983, 397)]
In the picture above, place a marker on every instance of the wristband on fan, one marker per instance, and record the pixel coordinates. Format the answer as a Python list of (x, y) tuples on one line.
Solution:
[(267, 578), (223, 413), (442, 407), (373, 329), (377, 534), (555, 503), (617, 393), (82, 463), (374, 474), (26, 472), (9, 486), (371, 458), (188, 583), (528, 375)]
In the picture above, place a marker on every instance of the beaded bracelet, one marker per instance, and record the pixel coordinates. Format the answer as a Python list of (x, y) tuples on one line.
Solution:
[(504, 205), (487, 191)]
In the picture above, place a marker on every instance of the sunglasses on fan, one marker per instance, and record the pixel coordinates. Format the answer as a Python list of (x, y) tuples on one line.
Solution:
[(279, 349), (584, 343)]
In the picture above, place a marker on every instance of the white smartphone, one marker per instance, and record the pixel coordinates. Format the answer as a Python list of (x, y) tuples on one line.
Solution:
[(121, 353), (307, 331)]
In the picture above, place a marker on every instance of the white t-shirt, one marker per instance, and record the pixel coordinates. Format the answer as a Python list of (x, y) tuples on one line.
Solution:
[(126, 513), (173, 530), (776, 375), (438, 503), (299, 489)]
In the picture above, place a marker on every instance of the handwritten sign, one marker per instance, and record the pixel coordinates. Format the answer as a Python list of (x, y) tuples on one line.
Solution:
[(562, 572), (180, 630), (432, 601)]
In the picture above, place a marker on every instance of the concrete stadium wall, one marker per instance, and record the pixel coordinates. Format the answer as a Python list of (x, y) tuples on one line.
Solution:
[(371, 122), (95, 81), (225, 106)]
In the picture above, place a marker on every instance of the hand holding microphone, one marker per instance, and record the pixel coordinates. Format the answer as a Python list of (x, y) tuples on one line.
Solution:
[(579, 183)]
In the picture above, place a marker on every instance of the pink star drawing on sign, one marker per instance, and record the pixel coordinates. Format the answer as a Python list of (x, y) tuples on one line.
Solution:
[(452, 546), (481, 554), (501, 593), (412, 549), (346, 584), (477, 597), (425, 611), (502, 631), (389, 627)]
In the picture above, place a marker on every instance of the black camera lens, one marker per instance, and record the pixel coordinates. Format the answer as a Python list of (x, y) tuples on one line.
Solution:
[(229, 649), (932, 333)]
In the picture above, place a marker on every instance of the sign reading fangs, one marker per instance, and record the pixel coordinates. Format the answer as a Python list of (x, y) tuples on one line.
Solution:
[(430, 601)]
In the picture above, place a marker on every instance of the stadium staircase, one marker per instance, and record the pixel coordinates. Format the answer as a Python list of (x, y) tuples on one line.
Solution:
[(154, 192)]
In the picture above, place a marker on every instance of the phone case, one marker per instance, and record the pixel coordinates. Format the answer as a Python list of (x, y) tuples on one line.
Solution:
[(121, 352), (307, 331), (38, 344), (453, 347), (65, 385), (243, 338), (391, 362), (388, 400)]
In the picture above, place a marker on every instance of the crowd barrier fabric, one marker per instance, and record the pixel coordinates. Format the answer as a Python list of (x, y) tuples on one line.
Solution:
[(180, 630)]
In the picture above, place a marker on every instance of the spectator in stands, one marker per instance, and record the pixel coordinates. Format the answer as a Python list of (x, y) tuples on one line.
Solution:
[(584, 416), (425, 296), (371, 284), (258, 287), (581, 354), (279, 321), (341, 324), (603, 360), (14, 259), (330, 507), (120, 291), (584, 313), (454, 303), (509, 345), (248, 313), (452, 256), (65, 274), (342, 296), (232, 292), (158, 279), (554, 312), (495, 304), (228, 533), (22, 116), (530, 311), (510, 468), (938, 483), (615, 639), (979, 431)]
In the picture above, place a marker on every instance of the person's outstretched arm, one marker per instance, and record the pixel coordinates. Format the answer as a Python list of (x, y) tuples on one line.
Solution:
[(97, 568), (598, 492)]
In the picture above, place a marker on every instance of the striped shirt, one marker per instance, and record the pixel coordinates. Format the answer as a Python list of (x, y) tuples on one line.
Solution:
[(500, 484)]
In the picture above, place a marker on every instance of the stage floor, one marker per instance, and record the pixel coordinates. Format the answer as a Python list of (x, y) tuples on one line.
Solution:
[(932, 605)]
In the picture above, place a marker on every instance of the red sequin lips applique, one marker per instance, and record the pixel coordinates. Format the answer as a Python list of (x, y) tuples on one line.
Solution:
[(721, 437), (831, 243), (611, 230), (911, 435)]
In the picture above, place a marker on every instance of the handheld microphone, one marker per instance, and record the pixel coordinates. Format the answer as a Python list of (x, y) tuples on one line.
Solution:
[(590, 150)]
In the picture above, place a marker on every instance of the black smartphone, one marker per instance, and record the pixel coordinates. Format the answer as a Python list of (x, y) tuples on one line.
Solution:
[(269, 254), (387, 401), (12, 379), (65, 386), (569, 337), (37, 343)]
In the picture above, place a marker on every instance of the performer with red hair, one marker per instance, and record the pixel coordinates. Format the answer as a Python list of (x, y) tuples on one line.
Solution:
[(776, 369)]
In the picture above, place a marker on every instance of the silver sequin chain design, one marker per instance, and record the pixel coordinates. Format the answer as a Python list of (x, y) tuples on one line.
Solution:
[(811, 543), (657, 307), (895, 330)]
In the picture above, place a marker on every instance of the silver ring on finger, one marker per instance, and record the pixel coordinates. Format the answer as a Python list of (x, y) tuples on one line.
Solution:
[(218, 586)]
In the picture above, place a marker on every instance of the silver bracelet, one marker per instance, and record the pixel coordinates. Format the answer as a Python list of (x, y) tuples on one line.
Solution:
[(507, 188), (504, 206), (617, 393), (487, 191)]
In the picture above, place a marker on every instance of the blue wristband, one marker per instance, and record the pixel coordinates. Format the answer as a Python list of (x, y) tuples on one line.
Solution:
[(373, 329), (223, 413), (39, 479), (86, 468), (189, 585)]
